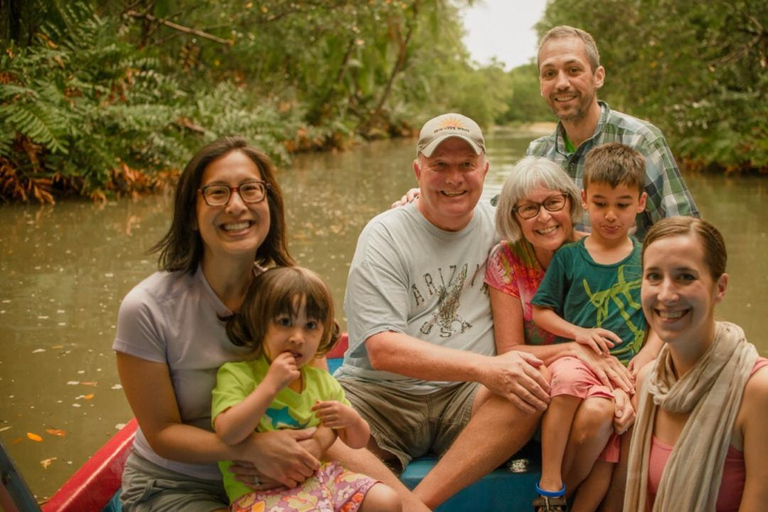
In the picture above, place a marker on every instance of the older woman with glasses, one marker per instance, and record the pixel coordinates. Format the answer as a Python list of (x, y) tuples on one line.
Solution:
[(228, 224), (538, 207)]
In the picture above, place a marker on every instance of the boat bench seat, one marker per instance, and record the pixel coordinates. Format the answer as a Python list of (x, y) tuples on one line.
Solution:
[(502, 489)]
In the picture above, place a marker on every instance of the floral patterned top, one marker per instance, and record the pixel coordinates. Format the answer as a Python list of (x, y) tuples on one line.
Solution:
[(513, 269)]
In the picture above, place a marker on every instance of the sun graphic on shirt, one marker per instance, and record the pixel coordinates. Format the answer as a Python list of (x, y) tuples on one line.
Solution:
[(451, 122)]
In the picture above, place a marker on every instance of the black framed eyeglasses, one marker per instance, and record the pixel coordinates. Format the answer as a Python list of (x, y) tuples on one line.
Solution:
[(219, 195), (553, 203)]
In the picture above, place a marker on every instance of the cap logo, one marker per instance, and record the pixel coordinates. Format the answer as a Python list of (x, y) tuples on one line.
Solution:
[(452, 123)]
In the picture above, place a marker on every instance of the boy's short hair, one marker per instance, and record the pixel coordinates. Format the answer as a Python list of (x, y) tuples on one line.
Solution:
[(616, 164)]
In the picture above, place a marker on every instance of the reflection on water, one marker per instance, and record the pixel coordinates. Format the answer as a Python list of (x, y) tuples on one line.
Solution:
[(64, 270)]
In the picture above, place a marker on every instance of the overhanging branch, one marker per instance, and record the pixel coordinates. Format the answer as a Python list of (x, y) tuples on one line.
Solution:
[(180, 28)]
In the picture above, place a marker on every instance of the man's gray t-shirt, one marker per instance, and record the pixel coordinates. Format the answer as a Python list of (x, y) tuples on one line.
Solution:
[(408, 276)]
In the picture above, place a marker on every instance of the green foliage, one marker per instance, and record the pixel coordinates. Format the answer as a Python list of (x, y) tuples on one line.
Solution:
[(69, 111), (103, 97), (34, 113), (81, 111), (698, 70), (525, 104)]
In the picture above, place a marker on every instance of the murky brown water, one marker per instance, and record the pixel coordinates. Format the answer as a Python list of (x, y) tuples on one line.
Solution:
[(64, 270)]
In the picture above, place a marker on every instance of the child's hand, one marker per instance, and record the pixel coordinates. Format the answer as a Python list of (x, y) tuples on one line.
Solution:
[(601, 340), (641, 359), (283, 370), (624, 414), (335, 414)]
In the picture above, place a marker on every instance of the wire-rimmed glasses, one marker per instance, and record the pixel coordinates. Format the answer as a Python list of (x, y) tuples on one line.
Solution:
[(553, 203)]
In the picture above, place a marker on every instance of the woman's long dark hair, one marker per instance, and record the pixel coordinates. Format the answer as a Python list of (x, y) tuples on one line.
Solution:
[(181, 249)]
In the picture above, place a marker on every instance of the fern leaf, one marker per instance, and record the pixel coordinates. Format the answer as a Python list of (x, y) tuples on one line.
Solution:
[(6, 140), (12, 90), (38, 124)]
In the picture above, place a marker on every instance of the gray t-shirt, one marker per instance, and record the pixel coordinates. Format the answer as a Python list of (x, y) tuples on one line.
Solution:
[(408, 276), (173, 318)]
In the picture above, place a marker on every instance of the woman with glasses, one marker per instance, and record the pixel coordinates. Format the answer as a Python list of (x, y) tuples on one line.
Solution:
[(538, 207), (228, 224)]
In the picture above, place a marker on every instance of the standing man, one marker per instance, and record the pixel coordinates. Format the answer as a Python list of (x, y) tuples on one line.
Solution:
[(569, 76), (421, 365)]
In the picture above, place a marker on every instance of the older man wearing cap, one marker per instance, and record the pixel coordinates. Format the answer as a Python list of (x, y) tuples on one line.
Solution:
[(421, 365)]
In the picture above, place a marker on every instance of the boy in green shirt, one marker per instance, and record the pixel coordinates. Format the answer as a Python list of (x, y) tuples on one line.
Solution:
[(591, 294)]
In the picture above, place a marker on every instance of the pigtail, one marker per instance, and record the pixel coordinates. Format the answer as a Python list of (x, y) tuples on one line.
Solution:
[(333, 339), (238, 332)]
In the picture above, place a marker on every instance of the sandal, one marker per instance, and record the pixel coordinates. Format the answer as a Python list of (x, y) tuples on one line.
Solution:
[(550, 501), (547, 504)]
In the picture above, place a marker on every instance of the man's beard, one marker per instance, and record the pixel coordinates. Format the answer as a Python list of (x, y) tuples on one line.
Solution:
[(575, 113)]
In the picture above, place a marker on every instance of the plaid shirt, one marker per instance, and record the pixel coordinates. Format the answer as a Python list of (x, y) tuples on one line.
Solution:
[(668, 195)]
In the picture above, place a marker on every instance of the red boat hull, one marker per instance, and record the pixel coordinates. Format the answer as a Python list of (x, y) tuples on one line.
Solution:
[(96, 482)]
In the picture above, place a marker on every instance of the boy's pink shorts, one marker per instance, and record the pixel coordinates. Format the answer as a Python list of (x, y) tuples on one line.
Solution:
[(572, 377)]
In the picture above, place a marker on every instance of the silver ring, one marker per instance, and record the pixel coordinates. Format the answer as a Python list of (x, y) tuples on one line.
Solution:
[(256, 480)]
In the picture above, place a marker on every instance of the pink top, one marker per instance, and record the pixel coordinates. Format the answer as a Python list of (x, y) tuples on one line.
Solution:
[(513, 269), (734, 471)]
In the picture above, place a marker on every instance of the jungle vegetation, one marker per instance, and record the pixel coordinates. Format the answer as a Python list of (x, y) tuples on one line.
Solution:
[(102, 97)]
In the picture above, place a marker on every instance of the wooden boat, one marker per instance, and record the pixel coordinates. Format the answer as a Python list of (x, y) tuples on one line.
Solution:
[(96, 485)]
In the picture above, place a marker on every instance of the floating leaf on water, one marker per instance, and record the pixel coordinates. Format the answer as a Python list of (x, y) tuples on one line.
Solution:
[(73, 382), (75, 405), (56, 432), (47, 462), (89, 383), (38, 351), (57, 347), (3, 429), (117, 386), (88, 397), (119, 426), (34, 437)]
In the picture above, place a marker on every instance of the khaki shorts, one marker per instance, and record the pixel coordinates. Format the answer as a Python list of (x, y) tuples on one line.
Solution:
[(149, 487), (410, 425)]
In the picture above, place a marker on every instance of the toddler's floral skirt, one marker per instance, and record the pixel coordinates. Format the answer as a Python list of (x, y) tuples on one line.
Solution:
[(331, 489)]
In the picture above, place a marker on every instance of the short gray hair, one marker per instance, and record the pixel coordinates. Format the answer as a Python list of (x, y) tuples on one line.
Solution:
[(529, 174)]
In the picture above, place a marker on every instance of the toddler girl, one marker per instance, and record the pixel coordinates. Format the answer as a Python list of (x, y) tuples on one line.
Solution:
[(287, 319)]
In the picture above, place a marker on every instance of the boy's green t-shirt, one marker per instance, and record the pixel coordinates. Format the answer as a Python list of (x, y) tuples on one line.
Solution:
[(235, 381), (589, 294)]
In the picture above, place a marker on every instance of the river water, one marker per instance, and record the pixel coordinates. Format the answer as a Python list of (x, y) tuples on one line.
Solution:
[(65, 268)]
